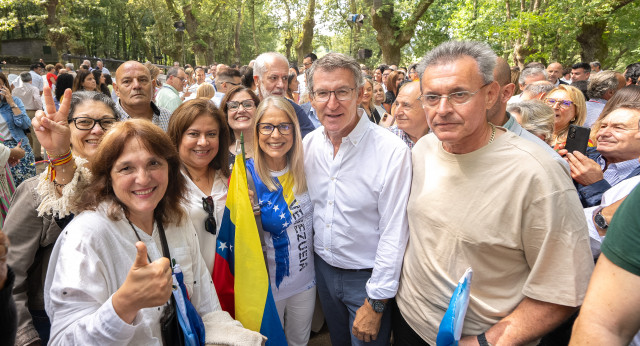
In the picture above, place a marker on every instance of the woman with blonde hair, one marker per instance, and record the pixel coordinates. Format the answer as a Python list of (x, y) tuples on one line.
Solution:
[(570, 108), (277, 172), (205, 91), (368, 103)]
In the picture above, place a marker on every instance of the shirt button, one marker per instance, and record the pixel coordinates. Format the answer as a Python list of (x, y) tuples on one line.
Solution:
[(328, 225), (330, 202)]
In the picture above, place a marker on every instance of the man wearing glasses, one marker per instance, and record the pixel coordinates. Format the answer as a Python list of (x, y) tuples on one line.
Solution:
[(169, 95), (485, 198), (359, 176)]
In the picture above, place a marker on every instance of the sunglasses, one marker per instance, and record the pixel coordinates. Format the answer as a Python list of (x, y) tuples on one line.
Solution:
[(210, 221)]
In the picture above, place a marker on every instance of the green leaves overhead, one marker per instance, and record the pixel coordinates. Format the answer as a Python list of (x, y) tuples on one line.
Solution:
[(397, 31)]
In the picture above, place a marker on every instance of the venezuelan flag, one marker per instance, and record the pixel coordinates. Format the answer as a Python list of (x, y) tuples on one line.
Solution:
[(239, 272)]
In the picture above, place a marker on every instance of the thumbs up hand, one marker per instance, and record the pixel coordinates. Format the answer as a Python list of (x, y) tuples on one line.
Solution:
[(147, 285)]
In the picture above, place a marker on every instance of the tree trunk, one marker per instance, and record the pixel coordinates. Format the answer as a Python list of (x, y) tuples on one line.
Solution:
[(391, 35), (252, 7), (55, 39), (237, 35), (198, 46), (591, 40), (288, 37), (304, 46), (178, 37)]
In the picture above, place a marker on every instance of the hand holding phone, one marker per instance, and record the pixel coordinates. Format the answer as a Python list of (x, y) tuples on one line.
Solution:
[(577, 139)]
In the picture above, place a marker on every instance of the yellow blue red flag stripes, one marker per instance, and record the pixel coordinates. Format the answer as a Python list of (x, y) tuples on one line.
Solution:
[(239, 273)]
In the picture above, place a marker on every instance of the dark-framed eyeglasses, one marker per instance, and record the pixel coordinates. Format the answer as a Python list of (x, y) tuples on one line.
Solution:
[(563, 103), (86, 123), (342, 94), (210, 222), (235, 105), (267, 128), (456, 98)]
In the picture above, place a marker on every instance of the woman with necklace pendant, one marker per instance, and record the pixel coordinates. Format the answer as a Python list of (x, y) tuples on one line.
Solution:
[(277, 171), (199, 132)]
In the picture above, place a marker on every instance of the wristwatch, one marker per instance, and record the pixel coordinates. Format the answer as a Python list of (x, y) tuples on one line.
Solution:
[(377, 305), (600, 221)]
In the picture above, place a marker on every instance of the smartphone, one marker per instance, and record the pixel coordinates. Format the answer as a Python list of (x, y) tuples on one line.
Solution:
[(577, 139)]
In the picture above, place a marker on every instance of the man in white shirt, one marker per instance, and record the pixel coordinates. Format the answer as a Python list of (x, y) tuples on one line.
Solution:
[(358, 175), (100, 66)]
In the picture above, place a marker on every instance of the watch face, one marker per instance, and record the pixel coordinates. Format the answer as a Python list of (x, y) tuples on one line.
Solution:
[(377, 305), (600, 221)]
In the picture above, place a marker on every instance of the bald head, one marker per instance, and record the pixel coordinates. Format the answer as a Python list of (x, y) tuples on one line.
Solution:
[(502, 72), (497, 114), (133, 87), (554, 72)]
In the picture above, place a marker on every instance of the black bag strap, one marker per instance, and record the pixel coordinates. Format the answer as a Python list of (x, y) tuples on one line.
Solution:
[(163, 240)]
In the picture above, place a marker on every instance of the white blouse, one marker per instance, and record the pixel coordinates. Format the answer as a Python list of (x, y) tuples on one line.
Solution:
[(198, 215), (91, 260)]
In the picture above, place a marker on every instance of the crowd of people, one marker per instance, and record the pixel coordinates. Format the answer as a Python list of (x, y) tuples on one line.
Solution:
[(392, 182)]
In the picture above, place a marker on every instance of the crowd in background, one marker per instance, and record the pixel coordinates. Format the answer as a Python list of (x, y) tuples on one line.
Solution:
[(461, 153)]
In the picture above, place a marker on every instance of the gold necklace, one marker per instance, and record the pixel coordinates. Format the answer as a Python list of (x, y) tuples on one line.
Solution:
[(493, 133)]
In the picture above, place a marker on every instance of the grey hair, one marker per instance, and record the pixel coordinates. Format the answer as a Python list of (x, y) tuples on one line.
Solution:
[(531, 71), (600, 83), (451, 51), (536, 116), (26, 77), (173, 71), (539, 88), (332, 62), (260, 64), (80, 97), (69, 65)]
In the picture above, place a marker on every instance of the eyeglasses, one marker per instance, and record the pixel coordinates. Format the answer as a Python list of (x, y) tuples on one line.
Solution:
[(267, 128), (457, 98), (232, 83), (342, 94), (85, 123), (307, 64), (210, 222), (564, 104), (235, 105)]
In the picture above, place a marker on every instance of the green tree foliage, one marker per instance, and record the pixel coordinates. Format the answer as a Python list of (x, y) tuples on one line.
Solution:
[(397, 31)]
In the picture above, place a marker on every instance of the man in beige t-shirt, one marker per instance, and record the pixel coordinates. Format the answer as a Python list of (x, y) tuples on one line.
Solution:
[(482, 197)]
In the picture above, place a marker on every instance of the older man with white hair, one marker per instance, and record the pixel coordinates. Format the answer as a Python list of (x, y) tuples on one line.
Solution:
[(271, 76)]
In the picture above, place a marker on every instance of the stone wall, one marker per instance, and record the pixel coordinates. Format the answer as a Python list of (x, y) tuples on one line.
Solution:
[(31, 49)]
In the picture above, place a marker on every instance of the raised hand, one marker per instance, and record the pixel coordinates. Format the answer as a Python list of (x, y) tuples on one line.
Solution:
[(16, 154), (52, 128), (147, 285)]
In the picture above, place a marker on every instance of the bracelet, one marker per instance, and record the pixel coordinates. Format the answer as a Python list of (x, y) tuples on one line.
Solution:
[(58, 161), (56, 156)]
